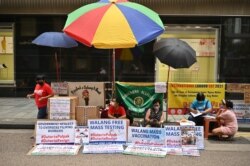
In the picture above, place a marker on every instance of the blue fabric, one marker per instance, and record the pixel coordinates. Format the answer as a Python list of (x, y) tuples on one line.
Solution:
[(137, 22), (201, 105), (42, 113)]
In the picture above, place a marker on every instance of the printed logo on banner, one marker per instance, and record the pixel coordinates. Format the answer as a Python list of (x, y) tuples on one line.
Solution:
[(107, 131), (59, 132), (146, 136)]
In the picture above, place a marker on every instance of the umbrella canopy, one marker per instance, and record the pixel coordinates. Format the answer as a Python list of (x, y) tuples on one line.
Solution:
[(55, 39), (174, 53), (111, 24)]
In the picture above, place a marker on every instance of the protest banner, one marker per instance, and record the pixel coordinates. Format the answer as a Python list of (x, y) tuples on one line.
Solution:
[(108, 130), (173, 137), (174, 151), (188, 137), (137, 97), (55, 150), (199, 133), (110, 148), (81, 135), (181, 95), (145, 151), (146, 136), (55, 132)]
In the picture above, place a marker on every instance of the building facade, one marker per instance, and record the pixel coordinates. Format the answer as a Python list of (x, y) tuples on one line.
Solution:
[(22, 21)]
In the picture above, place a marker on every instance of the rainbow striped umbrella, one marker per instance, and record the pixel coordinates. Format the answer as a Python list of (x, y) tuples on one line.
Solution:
[(111, 24)]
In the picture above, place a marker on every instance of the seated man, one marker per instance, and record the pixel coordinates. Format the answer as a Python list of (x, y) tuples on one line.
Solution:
[(227, 120), (154, 116), (116, 111), (200, 105)]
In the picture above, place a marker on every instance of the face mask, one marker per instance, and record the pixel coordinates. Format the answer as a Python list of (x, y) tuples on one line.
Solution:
[(40, 83), (156, 108)]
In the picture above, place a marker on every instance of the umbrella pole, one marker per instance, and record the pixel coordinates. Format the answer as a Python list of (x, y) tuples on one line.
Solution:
[(168, 74), (56, 66), (113, 73)]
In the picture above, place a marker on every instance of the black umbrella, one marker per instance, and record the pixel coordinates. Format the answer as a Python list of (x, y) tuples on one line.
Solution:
[(174, 53)]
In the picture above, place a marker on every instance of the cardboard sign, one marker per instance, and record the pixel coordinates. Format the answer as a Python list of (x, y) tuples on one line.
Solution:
[(111, 148), (146, 136), (145, 151), (108, 130), (89, 93), (55, 150), (55, 132)]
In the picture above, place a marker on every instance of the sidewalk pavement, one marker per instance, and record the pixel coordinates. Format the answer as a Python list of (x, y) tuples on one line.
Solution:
[(20, 113)]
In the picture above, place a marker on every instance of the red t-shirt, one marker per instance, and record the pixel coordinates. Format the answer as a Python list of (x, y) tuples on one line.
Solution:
[(41, 91), (120, 111)]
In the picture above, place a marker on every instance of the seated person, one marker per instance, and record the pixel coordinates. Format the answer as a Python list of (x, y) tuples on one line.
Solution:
[(116, 111), (154, 116), (227, 120), (201, 105)]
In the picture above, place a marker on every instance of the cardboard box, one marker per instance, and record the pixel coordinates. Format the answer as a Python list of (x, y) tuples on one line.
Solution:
[(58, 106), (83, 113)]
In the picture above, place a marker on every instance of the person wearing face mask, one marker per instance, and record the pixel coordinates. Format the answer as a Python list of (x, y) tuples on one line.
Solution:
[(116, 111), (41, 94), (154, 116), (202, 106)]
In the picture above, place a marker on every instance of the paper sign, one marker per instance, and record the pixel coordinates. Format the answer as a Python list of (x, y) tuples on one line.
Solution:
[(59, 132), (173, 136), (160, 87), (55, 150), (107, 130), (146, 136), (111, 148), (81, 135), (199, 133), (145, 151), (59, 108)]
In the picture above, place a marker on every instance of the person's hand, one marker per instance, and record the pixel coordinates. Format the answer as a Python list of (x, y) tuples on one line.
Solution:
[(28, 96), (41, 99)]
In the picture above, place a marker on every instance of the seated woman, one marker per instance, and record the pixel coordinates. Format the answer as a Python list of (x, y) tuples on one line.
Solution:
[(116, 111), (227, 120), (154, 116)]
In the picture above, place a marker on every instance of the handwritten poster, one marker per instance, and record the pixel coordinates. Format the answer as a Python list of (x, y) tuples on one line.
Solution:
[(107, 130), (59, 108), (146, 136), (51, 132)]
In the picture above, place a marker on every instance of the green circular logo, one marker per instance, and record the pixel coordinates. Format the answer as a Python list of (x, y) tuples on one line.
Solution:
[(138, 101)]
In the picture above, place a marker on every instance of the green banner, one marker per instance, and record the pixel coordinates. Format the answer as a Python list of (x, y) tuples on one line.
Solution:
[(137, 97)]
